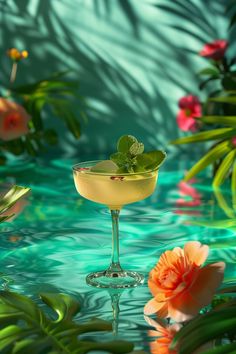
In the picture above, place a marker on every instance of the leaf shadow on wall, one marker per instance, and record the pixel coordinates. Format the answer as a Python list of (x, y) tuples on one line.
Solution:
[(135, 92)]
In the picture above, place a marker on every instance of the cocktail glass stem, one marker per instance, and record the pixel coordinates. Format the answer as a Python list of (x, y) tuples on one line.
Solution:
[(115, 262)]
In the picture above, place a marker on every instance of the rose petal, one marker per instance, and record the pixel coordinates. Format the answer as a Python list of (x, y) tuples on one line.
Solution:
[(183, 307), (195, 252), (207, 281), (153, 306)]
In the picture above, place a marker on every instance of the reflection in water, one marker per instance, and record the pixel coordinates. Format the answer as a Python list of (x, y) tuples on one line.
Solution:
[(55, 241), (115, 295)]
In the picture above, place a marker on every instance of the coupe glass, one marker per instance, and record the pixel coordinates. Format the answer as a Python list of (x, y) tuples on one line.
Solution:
[(114, 191)]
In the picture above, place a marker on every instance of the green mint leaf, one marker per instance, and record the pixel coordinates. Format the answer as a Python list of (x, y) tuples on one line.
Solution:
[(136, 149), (119, 158), (125, 142), (151, 160)]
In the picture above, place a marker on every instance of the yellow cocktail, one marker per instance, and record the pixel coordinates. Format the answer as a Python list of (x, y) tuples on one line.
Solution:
[(114, 190)]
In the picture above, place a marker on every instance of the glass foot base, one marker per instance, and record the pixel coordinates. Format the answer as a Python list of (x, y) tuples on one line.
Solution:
[(115, 280)]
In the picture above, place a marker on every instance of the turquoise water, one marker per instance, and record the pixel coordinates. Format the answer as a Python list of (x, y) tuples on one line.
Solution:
[(59, 237)]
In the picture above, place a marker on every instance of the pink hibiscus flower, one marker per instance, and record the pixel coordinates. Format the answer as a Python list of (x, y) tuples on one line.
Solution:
[(190, 108), (214, 50)]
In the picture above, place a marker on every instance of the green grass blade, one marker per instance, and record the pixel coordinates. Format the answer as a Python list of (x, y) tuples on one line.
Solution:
[(210, 157), (224, 168), (214, 134), (224, 120)]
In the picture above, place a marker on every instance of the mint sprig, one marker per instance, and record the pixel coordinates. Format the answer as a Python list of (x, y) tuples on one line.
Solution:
[(130, 156)]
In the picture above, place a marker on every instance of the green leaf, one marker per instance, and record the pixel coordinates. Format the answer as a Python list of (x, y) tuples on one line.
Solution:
[(136, 149), (229, 83), (211, 156), (205, 328), (227, 289), (223, 349), (221, 133), (34, 332), (224, 168), (224, 99), (119, 158), (211, 71), (65, 305), (215, 224), (125, 142), (9, 335), (224, 120), (151, 160), (12, 196), (50, 136), (64, 113), (233, 185)]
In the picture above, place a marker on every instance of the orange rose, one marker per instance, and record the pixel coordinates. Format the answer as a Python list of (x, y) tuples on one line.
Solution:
[(179, 283), (13, 120)]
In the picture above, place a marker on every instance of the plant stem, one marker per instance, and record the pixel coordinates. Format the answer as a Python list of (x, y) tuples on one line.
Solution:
[(13, 72)]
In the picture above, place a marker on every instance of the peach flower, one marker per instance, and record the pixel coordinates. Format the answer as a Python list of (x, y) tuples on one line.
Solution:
[(179, 283), (13, 120)]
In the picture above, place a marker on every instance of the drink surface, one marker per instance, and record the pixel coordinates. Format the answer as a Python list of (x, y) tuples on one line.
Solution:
[(114, 190)]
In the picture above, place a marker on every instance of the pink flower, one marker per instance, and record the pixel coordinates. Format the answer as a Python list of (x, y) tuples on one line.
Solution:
[(233, 141), (190, 196), (179, 283), (13, 120), (190, 108), (214, 50)]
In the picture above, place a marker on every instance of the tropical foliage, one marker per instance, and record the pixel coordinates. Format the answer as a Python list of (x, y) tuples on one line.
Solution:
[(25, 328), (216, 326), (24, 125), (9, 200), (218, 119)]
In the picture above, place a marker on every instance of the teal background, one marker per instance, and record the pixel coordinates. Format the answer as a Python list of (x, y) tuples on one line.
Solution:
[(134, 60)]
